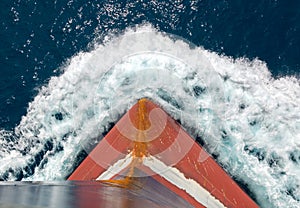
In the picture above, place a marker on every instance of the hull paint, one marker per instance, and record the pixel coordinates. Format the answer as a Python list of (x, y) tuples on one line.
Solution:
[(147, 142)]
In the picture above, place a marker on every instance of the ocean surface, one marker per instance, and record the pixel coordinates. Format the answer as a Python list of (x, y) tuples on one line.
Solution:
[(227, 70)]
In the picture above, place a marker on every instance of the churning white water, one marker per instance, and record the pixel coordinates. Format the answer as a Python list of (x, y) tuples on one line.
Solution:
[(249, 121)]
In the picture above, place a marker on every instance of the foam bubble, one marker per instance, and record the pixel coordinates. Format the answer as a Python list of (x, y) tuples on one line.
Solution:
[(248, 120)]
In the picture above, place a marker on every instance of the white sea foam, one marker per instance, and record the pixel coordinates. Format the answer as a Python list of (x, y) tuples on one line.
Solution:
[(248, 119)]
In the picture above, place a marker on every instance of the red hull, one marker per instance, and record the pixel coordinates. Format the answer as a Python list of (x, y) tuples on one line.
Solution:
[(156, 146)]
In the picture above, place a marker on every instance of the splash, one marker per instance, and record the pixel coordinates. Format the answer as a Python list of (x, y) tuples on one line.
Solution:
[(249, 121)]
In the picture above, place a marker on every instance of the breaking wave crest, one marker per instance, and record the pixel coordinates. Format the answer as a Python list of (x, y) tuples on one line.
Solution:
[(249, 121)]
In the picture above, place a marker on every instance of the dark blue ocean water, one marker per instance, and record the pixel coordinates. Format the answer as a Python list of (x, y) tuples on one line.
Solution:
[(39, 36)]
